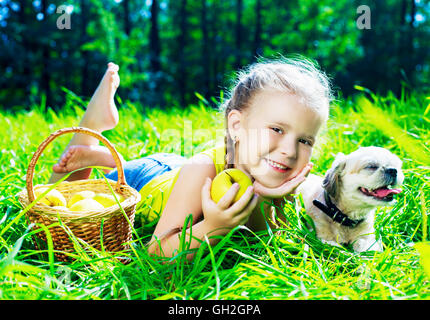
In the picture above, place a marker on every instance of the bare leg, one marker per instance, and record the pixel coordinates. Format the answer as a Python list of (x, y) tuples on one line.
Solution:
[(100, 115)]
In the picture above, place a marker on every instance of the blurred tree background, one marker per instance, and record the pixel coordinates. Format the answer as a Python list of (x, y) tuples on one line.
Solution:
[(168, 50)]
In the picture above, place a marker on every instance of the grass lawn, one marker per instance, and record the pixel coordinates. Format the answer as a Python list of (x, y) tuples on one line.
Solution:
[(293, 264)]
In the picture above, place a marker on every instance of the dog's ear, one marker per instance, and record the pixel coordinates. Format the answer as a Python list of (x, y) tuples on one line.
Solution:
[(332, 180)]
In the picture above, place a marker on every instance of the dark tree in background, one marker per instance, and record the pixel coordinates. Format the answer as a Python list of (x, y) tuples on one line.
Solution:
[(155, 55), (168, 50), (239, 31), (46, 55), (182, 43), (127, 23), (205, 57), (258, 29), (85, 54), (395, 49)]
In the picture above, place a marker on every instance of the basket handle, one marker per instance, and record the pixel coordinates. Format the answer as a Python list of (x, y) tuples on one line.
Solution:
[(44, 144)]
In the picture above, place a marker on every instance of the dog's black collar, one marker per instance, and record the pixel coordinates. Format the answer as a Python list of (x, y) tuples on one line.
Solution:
[(333, 212)]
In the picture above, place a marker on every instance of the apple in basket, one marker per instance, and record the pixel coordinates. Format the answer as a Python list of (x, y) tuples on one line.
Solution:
[(225, 179), (61, 208), (89, 200), (107, 200), (52, 198), (81, 195), (86, 205)]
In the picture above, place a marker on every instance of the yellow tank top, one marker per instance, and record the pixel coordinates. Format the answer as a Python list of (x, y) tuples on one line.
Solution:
[(157, 191)]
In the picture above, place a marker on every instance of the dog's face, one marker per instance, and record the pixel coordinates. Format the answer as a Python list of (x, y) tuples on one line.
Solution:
[(367, 177)]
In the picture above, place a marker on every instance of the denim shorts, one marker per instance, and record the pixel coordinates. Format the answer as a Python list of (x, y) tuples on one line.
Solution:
[(139, 172)]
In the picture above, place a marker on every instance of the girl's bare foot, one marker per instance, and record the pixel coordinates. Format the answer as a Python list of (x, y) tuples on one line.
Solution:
[(101, 113), (80, 156)]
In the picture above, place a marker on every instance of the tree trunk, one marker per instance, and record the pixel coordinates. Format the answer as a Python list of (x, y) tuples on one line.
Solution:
[(25, 64), (239, 9), (127, 25), (154, 40), (258, 29), (401, 61), (410, 65), (46, 78), (216, 10), (403, 13), (413, 13), (155, 97), (182, 41), (205, 50), (85, 56)]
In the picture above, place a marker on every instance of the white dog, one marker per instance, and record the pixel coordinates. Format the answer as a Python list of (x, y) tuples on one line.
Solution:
[(343, 204)]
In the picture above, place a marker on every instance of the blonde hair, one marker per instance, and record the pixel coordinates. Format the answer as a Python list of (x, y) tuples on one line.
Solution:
[(297, 75)]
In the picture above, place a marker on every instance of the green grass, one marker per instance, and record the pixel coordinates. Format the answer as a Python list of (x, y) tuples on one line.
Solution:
[(292, 264)]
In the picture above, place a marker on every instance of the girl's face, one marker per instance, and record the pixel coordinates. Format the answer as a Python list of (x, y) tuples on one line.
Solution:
[(277, 127)]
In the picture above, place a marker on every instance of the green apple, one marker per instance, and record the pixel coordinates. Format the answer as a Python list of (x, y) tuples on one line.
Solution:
[(225, 179)]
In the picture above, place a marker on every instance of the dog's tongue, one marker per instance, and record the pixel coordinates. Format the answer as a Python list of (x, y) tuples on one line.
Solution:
[(381, 193)]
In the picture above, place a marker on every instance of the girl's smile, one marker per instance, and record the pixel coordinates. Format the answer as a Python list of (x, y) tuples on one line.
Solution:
[(277, 166)]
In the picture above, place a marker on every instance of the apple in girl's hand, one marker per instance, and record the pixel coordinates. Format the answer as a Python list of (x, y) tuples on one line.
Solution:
[(225, 179)]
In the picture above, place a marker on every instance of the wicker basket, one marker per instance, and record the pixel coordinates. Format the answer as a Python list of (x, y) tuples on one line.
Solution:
[(86, 225)]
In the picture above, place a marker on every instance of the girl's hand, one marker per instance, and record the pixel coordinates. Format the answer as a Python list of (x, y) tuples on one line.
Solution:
[(223, 216), (285, 188)]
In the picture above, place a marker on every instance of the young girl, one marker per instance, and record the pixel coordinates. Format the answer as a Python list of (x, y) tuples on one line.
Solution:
[(272, 118)]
